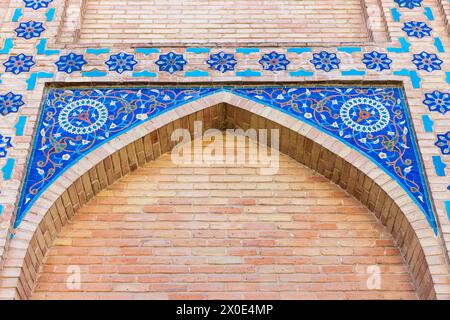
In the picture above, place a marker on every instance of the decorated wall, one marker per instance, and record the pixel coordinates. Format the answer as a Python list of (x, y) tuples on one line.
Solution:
[(68, 85)]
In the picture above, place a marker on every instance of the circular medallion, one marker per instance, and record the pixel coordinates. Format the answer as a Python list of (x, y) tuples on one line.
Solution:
[(83, 116), (364, 115)]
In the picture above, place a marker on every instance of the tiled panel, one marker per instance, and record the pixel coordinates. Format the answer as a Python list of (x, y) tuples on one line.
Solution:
[(241, 21)]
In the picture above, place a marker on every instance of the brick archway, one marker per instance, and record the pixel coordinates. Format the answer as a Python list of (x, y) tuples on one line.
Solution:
[(326, 155), (208, 230)]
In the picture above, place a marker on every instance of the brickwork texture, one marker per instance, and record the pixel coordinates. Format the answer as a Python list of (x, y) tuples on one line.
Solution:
[(138, 226)]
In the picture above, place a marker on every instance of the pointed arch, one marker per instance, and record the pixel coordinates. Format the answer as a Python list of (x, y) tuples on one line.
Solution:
[(323, 153)]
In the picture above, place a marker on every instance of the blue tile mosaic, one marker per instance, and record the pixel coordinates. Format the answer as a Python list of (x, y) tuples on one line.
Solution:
[(10, 103), (443, 143), (372, 120), (325, 61), (5, 144), (70, 63), (377, 61), (8, 168), (274, 61), (42, 48), (427, 61), (437, 101), (171, 62), (121, 62), (222, 62), (439, 166), (37, 4), (29, 30), (410, 4), (19, 63), (417, 29)]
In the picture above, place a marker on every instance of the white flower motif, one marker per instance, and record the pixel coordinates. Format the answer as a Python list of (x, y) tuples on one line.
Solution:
[(141, 116)]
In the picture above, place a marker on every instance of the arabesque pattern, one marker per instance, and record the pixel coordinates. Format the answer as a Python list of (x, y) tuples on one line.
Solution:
[(372, 120)]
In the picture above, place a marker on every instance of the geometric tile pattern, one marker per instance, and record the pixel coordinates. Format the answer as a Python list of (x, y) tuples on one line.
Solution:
[(372, 120)]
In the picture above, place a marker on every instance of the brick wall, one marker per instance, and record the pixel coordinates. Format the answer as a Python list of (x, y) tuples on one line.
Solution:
[(224, 232), (425, 254), (238, 21)]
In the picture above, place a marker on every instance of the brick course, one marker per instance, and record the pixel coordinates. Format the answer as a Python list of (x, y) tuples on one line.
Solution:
[(190, 232), (425, 254), (237, 21)]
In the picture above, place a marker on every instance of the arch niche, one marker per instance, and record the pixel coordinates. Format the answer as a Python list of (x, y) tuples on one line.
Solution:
[(313, 148)]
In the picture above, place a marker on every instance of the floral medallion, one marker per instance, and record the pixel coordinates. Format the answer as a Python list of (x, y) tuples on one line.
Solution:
[(19, 63), (222, 62), (377, 61), (437, 101), (417, 29), (83, 116), (5, 144), (37, 4), (10, 103), (70, 63), (274, 61), (325, 61), (30, 29), (364, 115), (171, 62), (121, 62), (443, 143), (427, 61)]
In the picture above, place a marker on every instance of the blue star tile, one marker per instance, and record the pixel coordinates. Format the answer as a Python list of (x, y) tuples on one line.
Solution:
[(37, 4), (19, 63), (427, 61), (121, 62), (325, 61), (222, 62), (417, 29), (377, 61), (443, 143), (5, 144), (410, 4), (171, 62), (274, 61), (437, 101), (30, 29), (10, 103), (70, 63)]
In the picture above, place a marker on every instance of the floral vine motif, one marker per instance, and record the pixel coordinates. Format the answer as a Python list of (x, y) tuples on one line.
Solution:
[(437, 101), (417, 29), (443, 143), (70, 63), (325, 61), (121, 62), (30, 29), (410, 4), (73, 122), (10, 103), (374, 121), (37, 4), (377, 61), (222, 62), (427, 61), (5, 144), (171, 62), (19, 63), (274, 61)]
